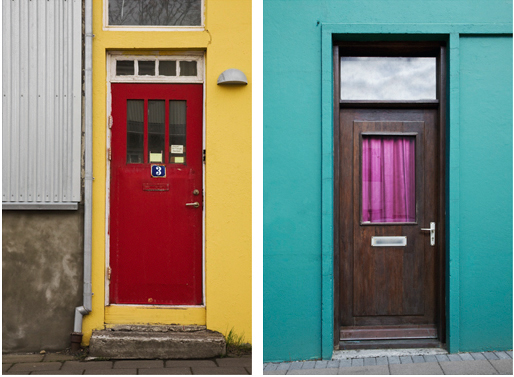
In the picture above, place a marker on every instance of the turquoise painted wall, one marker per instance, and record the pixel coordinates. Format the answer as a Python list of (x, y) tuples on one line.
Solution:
[(297, 267), (485, 193)]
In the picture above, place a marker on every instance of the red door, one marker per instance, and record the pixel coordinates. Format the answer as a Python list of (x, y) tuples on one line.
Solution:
[(156, 194)]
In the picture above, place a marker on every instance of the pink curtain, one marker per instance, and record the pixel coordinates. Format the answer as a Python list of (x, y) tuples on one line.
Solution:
[(388, 179)]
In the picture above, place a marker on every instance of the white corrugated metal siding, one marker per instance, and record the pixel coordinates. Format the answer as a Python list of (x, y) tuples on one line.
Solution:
[(41, 120)]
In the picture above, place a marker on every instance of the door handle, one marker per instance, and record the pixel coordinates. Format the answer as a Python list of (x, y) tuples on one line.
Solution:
[(432, 233), (195, 204)]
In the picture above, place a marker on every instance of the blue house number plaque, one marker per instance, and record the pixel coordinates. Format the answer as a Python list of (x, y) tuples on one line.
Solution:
[(158, 171)]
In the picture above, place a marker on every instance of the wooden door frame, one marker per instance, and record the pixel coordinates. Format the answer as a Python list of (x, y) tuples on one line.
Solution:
[(413, 49)]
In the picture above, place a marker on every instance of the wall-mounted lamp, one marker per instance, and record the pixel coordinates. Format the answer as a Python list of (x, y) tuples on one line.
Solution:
[(232, 76)]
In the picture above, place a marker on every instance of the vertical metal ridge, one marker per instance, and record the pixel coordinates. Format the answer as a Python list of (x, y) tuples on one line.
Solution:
[(15, 100), (6, 98), (64, 100), (41, 102), (31, 99), (50, 100), (24, 119), (57, 103), (77, 44)]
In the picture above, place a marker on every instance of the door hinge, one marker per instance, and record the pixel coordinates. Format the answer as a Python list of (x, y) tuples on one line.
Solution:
[(109, 273), (109, 154), (109, 121), (203, 158)]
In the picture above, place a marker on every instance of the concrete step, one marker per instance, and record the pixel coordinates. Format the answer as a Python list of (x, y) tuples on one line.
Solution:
[(157, 342)]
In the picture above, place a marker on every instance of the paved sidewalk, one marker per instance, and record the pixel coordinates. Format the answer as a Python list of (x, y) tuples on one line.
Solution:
[(63, 364), (461, 364)]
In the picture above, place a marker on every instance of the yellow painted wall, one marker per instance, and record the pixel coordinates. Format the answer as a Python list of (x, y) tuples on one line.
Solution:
[(226, 42)]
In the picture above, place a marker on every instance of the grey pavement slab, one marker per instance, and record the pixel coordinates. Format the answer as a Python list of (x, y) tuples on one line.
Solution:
[(477, 356), (56, 372), (29, 367), (58, 357), (271, 366), (308, 364), (405, 360), (442, 358), (321, 364), (382, 360), (234, 362), (502, 355), (283, 366), (219, 370), (340, 363), (357, 362), (416, 369), (111, 371), (161, 371), (296, 365), (454, 357), (418, 359), (190, 363), (372, 369), (310, 372), (138, 364), (430, 358), (490, 356), (86, 365), (5, 367), (467, 367), (370, 361), (502, 366), (466, 356), (509, 353), (21, 358), (393, 360), (275, 372), (26, 372)]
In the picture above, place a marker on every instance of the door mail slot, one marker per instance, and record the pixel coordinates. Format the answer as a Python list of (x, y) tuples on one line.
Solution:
[(389, 241), (156, 187)]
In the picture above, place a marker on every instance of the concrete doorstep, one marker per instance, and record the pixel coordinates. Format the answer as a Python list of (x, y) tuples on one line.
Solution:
[(151, 342)]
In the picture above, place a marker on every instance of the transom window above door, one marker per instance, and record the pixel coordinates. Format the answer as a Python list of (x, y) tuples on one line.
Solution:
[(154, 13), (161, 68), (372, 78)]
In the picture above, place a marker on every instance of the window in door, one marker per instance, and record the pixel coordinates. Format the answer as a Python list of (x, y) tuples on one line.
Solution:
[(388, 179)]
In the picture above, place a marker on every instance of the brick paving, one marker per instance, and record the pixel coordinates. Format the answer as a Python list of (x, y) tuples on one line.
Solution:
[(58, 364), (462, 363)]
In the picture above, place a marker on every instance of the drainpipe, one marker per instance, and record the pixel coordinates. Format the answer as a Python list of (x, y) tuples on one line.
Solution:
[(80, 311)]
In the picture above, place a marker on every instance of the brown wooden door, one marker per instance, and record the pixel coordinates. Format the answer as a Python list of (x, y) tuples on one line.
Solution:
[(388, 294)]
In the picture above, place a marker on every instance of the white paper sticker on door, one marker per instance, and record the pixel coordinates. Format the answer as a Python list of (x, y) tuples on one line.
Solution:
[(177, 149)]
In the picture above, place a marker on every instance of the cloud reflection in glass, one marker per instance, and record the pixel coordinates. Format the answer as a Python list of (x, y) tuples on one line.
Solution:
[(388, 78)]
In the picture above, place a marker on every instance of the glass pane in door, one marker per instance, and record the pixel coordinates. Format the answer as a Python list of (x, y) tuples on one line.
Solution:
[(135, 131), (388, 179), (156, 131), (178, 132)]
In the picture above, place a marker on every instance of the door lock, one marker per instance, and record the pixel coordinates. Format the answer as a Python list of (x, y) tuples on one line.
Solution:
[(432, 233), (195, 204)]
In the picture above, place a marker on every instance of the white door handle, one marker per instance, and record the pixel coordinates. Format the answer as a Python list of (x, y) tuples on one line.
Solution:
[(432, 233)]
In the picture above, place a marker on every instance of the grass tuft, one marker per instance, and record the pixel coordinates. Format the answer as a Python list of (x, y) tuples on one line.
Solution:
[(236, 345)]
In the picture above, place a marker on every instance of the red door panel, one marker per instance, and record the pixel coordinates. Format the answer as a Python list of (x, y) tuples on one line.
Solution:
[(155, 239)]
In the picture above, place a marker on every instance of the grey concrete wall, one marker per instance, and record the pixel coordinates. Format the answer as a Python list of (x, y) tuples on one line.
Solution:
[(42, 265)]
